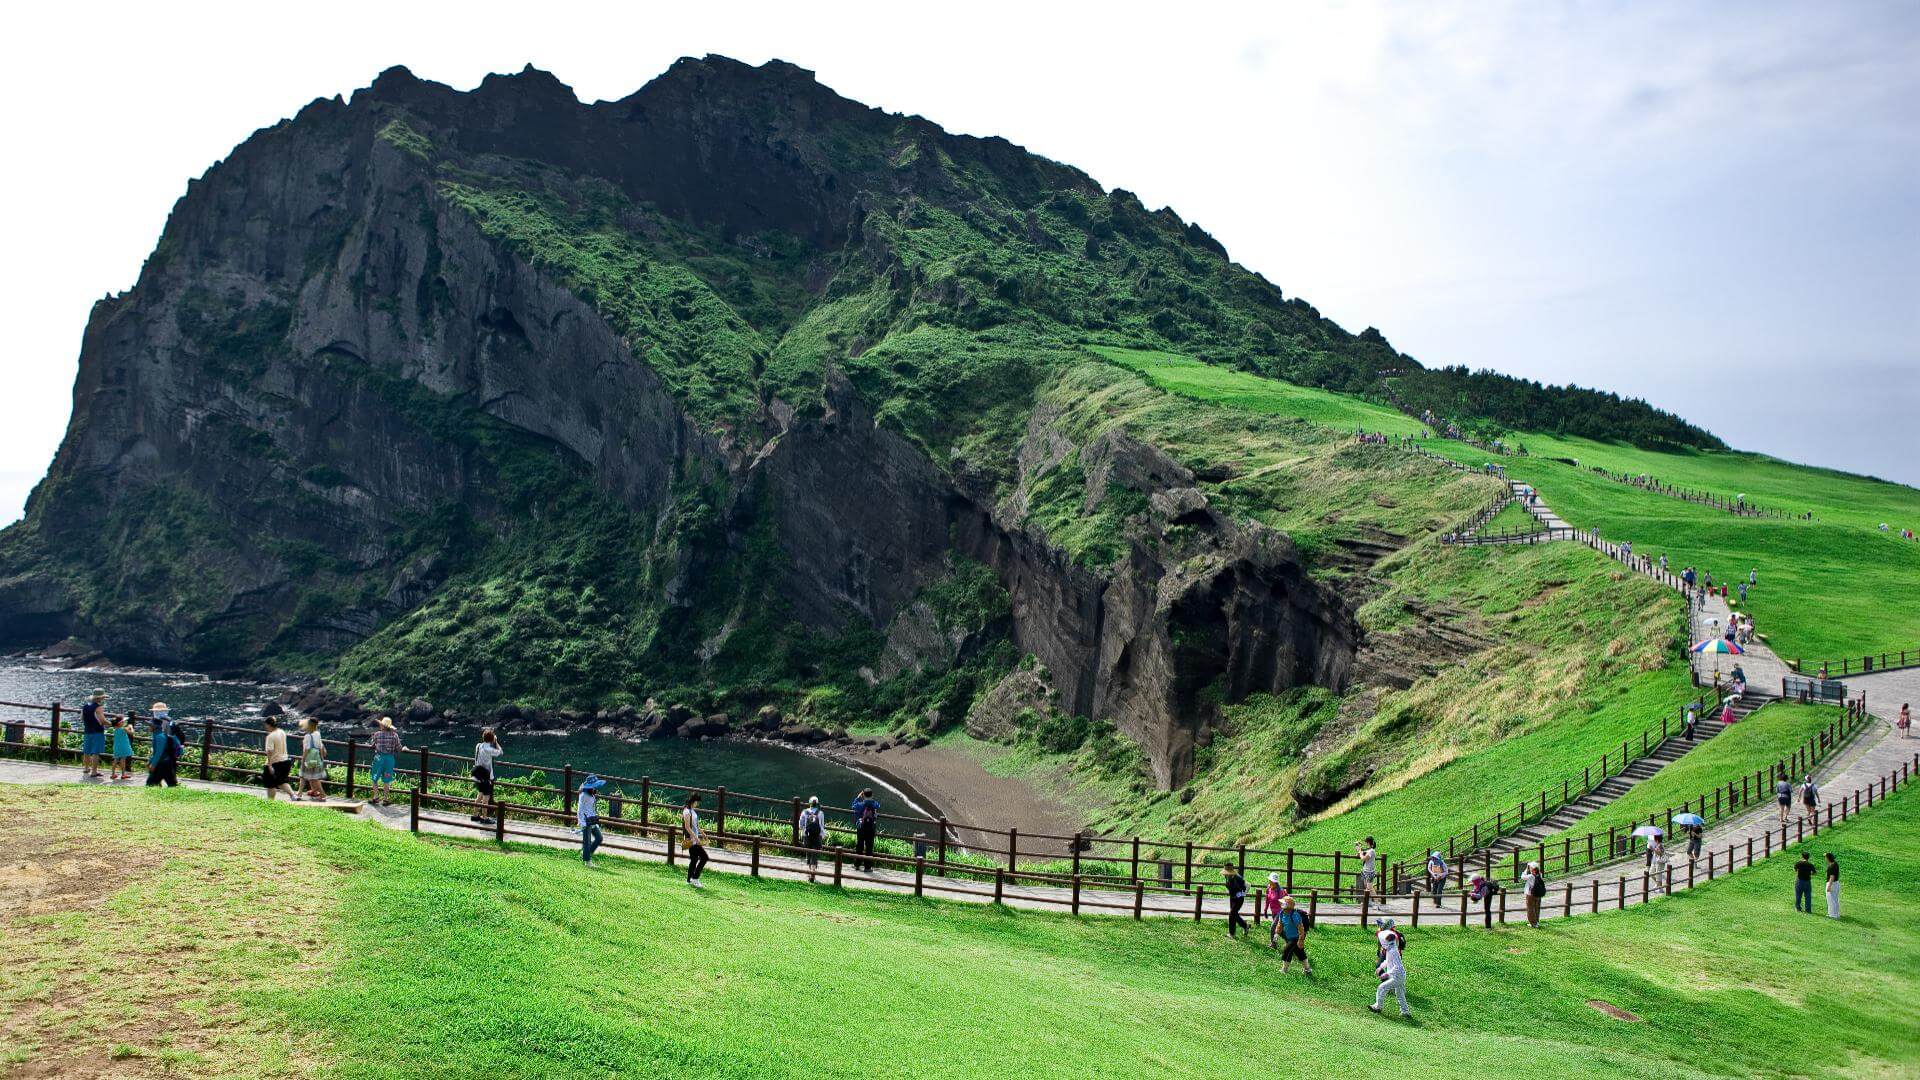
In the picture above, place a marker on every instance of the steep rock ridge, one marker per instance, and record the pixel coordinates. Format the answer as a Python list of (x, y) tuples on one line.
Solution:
[(339, 392)]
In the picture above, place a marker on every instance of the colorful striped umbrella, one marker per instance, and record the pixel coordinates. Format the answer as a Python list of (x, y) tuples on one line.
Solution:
[(1719, 645)]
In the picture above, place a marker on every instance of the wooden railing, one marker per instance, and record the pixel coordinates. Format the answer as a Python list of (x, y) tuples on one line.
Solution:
[(1888, 660), (1736, 506), (1078, 893)]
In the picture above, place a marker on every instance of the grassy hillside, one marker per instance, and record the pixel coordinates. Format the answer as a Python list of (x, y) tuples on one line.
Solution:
[(366, 953)]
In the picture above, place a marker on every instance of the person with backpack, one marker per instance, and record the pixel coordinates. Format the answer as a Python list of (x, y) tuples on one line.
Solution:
[(1535, 891), (1369, 856), (694, 838), (588, 815), (486, 759), (1270, 908), (1833, 886), (1236, 899), (1436, 876), (313, 761), (93, 735), (866, 826), (1803, 884), (164, 763), (1783, 794), (1391, 968), (1810, 800), (1293, 924), (813, 833)]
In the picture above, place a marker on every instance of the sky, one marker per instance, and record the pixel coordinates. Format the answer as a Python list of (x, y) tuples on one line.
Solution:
[(1715, 206)]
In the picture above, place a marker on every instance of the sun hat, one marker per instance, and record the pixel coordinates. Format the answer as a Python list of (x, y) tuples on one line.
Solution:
[(1273, 876), (159, 707), (813, 800), (387, 722), (99, 694), (592, 783)]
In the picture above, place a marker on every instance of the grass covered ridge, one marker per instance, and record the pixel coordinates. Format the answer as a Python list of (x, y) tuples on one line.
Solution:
[(424, 955)]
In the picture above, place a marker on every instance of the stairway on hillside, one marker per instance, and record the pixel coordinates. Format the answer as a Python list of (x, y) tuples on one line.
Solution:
[(1669, 751)]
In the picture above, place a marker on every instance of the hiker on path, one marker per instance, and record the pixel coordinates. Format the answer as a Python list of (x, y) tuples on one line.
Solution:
[(486, 758), (1783, 794), (1692, 719), (866, 821), (164, 763), (1693, 843), (1236, 898), (1391, 969), (1743, 592), (588, 816), (93, 735), (1727, 718), (1535, 890), (1810, 800), (690, 832), (1293, 925), (1833, 886), (1270, 907), (1803, 884), (279, 766), (386, 760), (813, 833), (313, 761), (1368, 859), (1657, 859), (1436, 875), (1753, 576), (1905, 723), (122, 749)]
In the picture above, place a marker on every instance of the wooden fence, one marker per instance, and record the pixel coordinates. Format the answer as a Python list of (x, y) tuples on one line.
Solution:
[(1889, 660)]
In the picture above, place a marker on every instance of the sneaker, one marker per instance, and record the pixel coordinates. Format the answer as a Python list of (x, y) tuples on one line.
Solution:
[(695, 882), (1406, 1016), (1375, 1009)]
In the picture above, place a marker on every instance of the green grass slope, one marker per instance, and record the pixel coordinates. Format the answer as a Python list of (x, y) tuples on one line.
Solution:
[(420, 957)]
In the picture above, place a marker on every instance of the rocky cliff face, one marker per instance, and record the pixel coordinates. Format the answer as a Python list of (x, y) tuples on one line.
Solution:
[(499, 395)]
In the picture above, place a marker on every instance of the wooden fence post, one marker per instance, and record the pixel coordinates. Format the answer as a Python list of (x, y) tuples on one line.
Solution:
[(206, 755), (413, 811), (836, 869), (720, 811), (796, 821), (566, 788), (943, 842), (1188, 870), (499, 823), (426, 768), (999, 882), (646, 801), (1416, 906), (920, 880), (756, 856), (1013, 850), (1199, 898), (1139, 897), (1076, 893), (53, 736), (1135, 872)]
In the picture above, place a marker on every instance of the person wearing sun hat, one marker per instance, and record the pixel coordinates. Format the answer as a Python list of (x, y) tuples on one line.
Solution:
[(589, 817), (386, 756), (163, 765), (93, 734)]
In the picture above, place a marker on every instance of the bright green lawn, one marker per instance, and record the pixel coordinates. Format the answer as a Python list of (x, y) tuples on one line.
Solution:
[(1764, 738), (438, 958), (1512, 518), (1230, 386)]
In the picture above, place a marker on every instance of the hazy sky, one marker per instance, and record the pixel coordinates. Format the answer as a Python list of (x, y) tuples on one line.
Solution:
[(1715, 206)]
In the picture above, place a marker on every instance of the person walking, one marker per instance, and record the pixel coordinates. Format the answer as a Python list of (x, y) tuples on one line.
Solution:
[(1293, 925), (1236, 899), (1783, 794), (313, 761), (1833, 886), (1803, 884), (813, 833), (1743, 592), (122, 749), (1905, 723), (1693, 843), (1809, 800), (1753, 576), (486, 759), (1535, 890), (1691, 720), (164, 763), (866, 826), (588, 815), (274, 774), (386, 757), (1436, 875), (694, 839), (1270, 907), (1391, 968), (1657, 860), (1369, 856), (93, 735)]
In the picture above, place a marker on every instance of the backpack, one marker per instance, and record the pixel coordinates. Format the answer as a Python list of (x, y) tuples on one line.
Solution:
[(869, 813), (810, 824), (1537, 886), (313, 755)]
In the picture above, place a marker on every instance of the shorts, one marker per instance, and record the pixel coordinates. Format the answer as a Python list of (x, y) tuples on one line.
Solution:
[(93, 742), (483, 780), (277, 772), (1786, 802), (382, 770)]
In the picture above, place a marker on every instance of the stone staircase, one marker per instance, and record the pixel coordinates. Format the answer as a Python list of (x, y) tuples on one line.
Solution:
[(1669, 751)]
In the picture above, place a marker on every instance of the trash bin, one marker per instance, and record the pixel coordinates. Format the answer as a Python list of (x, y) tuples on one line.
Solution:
[(1166, 873), (919, 845)]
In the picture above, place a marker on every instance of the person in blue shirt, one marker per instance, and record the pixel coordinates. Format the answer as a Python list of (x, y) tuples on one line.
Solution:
[(163, 765), (589, 815), (93, 734), (866, 822)]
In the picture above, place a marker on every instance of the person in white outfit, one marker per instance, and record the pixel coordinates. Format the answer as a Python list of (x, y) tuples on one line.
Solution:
[(1391, 969), (1833, 886)]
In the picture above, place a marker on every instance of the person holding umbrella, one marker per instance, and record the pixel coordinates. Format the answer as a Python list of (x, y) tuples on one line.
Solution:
[(1693, 824)]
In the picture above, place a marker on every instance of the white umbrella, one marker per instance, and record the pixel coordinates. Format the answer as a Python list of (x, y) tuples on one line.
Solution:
[(1648, 831)]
